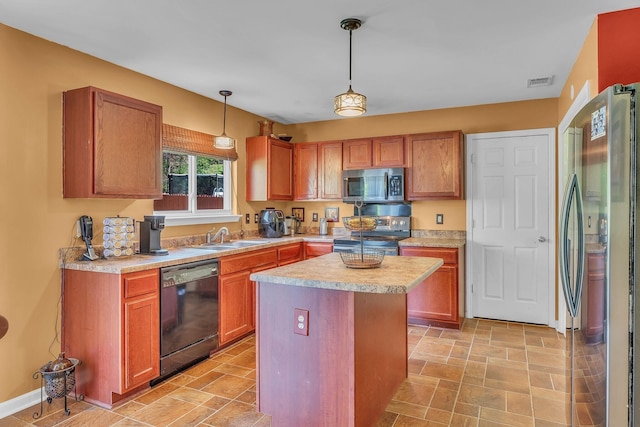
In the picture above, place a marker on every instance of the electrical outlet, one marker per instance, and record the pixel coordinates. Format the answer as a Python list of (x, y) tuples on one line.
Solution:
[(315, 217), (301, 321), (255, 218), (439, 219), (247, 219)]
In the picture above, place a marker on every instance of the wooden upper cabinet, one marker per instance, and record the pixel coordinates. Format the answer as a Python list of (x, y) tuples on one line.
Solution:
[(305, 171), (389, 152), (379, 152), (318, 170), (357, 154), (330, 170), (435, 166), (269, 169), (112, 146)]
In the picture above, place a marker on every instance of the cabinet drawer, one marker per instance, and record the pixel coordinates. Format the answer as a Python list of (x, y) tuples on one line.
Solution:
[(141, 283), (248, 260), (314, 249), (448, 255), (290, 253)]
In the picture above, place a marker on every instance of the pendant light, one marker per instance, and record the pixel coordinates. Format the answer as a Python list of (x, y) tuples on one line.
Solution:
[(350, 103), (223, 141)]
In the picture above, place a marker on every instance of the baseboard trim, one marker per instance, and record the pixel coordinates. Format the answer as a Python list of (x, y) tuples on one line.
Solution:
[(19, 403)]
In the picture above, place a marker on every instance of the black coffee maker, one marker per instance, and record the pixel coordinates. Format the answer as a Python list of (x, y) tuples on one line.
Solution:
[(150, 230)]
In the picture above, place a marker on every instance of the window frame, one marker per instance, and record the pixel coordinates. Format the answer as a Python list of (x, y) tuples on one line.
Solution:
[(204, 216)]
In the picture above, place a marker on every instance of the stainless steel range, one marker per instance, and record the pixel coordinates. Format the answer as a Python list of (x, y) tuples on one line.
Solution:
[(393, 224)]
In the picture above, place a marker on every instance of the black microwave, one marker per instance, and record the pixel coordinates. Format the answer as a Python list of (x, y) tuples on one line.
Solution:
[(373, 185)]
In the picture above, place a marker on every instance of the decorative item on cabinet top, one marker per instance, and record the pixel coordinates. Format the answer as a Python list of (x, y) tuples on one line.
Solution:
[(266, 127)]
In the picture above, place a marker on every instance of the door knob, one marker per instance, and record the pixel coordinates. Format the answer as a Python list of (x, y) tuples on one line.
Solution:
[(541, 239)]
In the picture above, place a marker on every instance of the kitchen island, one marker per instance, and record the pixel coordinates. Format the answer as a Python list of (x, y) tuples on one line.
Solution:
[(331, 341)]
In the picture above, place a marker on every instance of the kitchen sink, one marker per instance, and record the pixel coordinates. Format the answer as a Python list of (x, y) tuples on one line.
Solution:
[(242, 243), (229, 245), (214, 248)]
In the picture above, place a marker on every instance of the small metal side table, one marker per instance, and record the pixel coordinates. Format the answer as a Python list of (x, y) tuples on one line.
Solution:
[(57, 384)]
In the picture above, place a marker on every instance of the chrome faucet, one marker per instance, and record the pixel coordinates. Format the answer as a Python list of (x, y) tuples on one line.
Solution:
[(224, 231)]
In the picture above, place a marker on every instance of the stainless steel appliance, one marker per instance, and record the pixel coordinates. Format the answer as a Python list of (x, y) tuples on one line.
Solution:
[(150, 230), (271, 223), (292, 225), (393, 224), (597, 225), (188, 315), (373, 185)]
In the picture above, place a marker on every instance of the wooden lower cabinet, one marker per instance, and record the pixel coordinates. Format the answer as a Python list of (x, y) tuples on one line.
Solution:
[(288, 254), (237, 291), (235, 306), (439, 299), (314, 249), (111, 323)]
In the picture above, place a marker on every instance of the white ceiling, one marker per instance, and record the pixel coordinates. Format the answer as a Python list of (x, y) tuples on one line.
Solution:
[(286, 59)]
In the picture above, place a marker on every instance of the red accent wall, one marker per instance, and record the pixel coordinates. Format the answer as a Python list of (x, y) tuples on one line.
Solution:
[(618, 48)]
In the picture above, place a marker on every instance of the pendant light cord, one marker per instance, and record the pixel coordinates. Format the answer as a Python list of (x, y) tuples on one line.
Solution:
[(224, 118), (350, 41)]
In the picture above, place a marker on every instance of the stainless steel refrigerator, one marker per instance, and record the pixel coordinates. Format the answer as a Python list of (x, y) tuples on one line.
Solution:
[(598, 258)]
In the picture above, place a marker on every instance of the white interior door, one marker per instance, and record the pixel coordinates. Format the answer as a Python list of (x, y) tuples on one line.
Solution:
[(511, 237)]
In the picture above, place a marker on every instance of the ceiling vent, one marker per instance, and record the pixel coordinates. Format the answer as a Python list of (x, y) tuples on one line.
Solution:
[(540, 81)]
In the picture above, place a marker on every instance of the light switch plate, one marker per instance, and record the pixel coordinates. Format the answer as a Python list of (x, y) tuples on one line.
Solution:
[(439, 219), (247, 219), (315, 217)]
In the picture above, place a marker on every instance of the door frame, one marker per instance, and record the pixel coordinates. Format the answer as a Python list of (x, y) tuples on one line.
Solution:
[(579, 101), (470, 138)]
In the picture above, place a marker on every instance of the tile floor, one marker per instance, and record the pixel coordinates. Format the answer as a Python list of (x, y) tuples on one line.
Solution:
[(488, 374)]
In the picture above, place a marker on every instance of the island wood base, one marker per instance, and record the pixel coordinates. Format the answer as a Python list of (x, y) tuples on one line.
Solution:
[(345, 372)]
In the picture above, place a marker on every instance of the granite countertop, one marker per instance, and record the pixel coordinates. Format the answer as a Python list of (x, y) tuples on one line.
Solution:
[(69, 258), (433, 242), (178, 255), (595, 248), (395, 275)]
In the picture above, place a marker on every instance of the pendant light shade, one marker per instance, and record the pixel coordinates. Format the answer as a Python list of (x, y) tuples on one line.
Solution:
[(350, 103), (223, 141)]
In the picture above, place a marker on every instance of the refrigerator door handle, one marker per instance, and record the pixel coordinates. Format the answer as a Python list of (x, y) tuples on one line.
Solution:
[(572, 298)]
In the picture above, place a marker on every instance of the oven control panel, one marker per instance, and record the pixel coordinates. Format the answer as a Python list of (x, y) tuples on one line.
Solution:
[(393, 223)]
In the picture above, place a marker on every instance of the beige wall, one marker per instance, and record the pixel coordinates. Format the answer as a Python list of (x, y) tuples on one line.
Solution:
[(483, 118), (585, 69), (35, 221)]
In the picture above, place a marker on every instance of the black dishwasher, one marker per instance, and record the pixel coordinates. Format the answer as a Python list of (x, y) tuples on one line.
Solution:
[(188, 315)]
